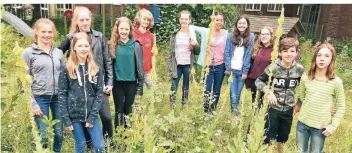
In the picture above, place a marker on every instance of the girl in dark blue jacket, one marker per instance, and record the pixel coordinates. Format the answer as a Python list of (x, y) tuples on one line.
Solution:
[(80, 94)]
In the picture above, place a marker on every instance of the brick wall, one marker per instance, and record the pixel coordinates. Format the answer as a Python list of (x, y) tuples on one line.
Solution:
[(95, 8), (335, 21), (346, 22)]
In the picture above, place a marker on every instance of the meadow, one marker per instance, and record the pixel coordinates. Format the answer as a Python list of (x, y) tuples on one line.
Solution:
[(153, 126)]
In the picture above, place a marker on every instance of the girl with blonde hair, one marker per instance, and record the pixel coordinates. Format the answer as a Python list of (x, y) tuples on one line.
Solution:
[(80, 94), (44, 61), (82, 22)]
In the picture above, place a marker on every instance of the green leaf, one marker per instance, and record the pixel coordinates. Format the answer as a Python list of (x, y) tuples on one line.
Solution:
[(3, 105), (166, 143), (193, 5)]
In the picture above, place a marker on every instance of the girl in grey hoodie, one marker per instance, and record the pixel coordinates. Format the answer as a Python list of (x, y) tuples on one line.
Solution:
[(44, 62)]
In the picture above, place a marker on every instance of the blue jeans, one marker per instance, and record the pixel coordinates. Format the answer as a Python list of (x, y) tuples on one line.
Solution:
[(235, 90), (95, 133), (304, 133), (216, 75), (45, 102), (185, 70)]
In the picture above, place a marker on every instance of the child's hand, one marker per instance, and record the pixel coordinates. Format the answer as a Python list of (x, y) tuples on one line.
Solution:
[(244, 76), (88, 125), (328, 130), (296, 109), (193, 42), (69, 128), (333, 111), (137, 97), (227, 73), (107, 89), (272, 99), (38, 112)]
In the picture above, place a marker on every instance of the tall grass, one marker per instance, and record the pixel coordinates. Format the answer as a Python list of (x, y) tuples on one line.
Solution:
[(153, 126)]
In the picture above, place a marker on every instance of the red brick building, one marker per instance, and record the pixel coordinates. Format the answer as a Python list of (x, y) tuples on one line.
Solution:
[(335, 21), (319, 20), (98, 8)]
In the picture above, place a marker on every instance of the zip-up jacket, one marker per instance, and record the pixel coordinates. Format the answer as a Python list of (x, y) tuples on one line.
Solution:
[(80, 99), (100, 51), (45, 70), (285, 81), (147, 41)]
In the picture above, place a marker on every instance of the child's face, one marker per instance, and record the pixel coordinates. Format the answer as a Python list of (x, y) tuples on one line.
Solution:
[(219, 21), (184, 20), (288, 56), (265, 36), (242, 25), (144, 21), (84, 21), (124, 30), (44, 33), (82, 48), (324, 58)]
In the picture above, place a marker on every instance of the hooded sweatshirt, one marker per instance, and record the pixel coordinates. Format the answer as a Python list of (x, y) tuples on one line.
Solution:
[(147, 40), (285, 81)]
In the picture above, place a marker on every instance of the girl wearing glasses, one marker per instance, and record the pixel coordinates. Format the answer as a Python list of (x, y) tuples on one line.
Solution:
[(261, 58)]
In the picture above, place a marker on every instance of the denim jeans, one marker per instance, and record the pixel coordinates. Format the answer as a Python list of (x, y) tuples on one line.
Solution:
[(185, 70), (45, 102), (235, 90), (304, 133), (214, 81), (106, 120), (95, 133)]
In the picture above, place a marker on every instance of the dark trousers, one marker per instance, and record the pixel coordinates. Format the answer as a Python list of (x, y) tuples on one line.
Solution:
[(106, 120), (124, 93), (254, 92), (278, 125)]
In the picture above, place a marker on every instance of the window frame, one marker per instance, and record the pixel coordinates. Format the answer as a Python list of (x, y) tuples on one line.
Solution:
[(252, 7), (274, 10)]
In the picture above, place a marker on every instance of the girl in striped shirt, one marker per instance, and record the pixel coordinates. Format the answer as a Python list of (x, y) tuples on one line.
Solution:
[(181, 57), (319, 92)]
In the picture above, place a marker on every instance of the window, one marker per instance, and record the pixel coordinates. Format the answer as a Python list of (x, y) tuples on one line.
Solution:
[(61, 8), (253, 7), (16, 9), (275, 7), (44, 11)]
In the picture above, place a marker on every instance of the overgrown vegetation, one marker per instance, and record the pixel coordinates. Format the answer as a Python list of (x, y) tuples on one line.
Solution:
[(154, 127)]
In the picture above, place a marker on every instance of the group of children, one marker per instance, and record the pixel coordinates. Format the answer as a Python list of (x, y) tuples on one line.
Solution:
[(77, 91)]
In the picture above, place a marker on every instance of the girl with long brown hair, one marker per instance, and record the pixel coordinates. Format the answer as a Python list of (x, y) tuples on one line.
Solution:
[(80, 94), (261, 58), (216, 55), (238, 51), (320, 91), (127, 57)]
